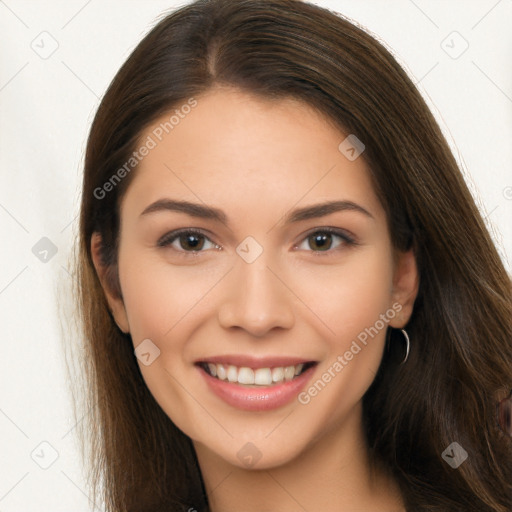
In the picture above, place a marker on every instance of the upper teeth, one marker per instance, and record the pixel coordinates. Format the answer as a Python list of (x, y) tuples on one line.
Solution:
[(259, 376)]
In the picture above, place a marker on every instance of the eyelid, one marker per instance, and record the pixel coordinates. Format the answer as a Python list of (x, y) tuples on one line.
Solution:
[(166, 240), (347, 237), (170, 237)]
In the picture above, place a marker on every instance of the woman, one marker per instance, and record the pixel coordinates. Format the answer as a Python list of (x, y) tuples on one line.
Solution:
[(289, 299)]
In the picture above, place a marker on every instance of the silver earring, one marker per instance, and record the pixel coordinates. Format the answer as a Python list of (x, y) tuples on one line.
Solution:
[(408, 345)]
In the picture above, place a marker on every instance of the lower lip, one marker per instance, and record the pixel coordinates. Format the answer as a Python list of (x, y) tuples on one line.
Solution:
[(257, 399)]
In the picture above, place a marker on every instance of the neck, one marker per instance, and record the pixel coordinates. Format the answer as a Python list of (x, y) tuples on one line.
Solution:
[(332, 474)]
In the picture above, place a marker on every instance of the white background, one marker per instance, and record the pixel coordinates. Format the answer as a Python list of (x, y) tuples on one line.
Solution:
[(46, 107)]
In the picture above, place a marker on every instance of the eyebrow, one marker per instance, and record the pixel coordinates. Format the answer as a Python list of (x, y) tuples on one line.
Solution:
[(209, 212)]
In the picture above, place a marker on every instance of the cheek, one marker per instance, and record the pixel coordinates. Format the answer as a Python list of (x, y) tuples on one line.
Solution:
[(356, 308), (349, 298), (159, 297)]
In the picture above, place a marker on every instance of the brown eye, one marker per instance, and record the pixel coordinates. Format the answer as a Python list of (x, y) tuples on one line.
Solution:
[(324, 240), (191, 242), (320, 241), (187, 241)]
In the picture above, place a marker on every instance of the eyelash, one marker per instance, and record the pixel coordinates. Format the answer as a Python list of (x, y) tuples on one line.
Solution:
[(169, 238)]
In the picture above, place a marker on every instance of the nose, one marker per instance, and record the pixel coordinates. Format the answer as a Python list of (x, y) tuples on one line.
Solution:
[(257, 299)]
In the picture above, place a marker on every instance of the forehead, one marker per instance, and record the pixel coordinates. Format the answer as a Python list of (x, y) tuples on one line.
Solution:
[(232, 147)]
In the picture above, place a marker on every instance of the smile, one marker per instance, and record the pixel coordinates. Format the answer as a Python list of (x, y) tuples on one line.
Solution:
[(256, 384), (255, 377)]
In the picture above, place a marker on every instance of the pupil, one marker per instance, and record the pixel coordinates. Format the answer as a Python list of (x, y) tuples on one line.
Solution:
[(322, 242), (191, 241)]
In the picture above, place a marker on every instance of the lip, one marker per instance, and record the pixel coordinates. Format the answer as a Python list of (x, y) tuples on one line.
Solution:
[(254, 362), (261, 398)]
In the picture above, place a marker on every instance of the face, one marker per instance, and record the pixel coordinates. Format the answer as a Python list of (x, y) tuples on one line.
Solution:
[(258, 278)]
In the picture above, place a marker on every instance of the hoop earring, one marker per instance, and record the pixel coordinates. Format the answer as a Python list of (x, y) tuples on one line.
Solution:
[(408, 345), (504, 415)]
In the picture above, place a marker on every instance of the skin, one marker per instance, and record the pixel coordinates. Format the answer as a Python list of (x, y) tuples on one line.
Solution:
[(257, 160)]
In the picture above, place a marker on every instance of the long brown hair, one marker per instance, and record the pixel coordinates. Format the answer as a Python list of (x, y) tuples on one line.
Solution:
[(461, 323)]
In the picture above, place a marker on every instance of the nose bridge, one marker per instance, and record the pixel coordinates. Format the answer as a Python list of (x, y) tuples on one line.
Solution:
[(257, 281), (257, 301)]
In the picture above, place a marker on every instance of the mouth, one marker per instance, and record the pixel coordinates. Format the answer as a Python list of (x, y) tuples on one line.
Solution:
[(256, 377), (255, 384)]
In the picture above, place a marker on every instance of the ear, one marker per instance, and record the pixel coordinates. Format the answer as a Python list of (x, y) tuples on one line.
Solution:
[(115, 300), (405, 286)]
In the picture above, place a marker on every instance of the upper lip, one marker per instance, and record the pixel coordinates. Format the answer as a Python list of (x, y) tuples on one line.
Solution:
[(241, 360)]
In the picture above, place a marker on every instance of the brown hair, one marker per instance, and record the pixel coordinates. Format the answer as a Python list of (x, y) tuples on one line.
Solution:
[(461, 323)]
